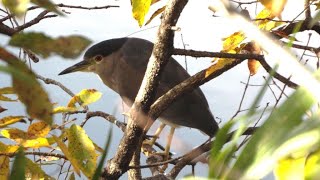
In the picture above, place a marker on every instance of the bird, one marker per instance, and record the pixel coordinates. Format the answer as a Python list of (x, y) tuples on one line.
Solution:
[(121, 64)]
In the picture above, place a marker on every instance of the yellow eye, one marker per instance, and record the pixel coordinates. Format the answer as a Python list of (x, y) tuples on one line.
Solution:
[(98, 58)]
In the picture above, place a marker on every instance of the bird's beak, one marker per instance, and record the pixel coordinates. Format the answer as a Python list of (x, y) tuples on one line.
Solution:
[(81, 66)]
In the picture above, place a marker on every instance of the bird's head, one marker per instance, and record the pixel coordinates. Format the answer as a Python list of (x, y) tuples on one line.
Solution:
[(96, 55)]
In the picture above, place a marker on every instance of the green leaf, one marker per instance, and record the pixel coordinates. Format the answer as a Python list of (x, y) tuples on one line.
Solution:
[(18, 167), (140, 9), (301, 140), (39, 43), (82, 150), (216, 163), (257, 159), (47, 5), (28, 89)]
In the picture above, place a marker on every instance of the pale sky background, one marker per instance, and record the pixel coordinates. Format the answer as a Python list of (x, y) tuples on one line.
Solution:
[(200, 31)]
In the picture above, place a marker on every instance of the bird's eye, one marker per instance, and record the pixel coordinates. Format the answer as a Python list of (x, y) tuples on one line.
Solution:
[(98, 58)]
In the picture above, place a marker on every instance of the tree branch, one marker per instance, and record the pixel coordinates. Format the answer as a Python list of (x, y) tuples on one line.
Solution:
[(161, 53), (187, 158), (36, 153)]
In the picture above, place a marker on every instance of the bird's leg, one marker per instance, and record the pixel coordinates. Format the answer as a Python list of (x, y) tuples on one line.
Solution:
[(167, 149), (156, 135)]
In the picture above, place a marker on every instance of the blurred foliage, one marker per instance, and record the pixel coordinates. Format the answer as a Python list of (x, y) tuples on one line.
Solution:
[(19, 7), (44, 45)]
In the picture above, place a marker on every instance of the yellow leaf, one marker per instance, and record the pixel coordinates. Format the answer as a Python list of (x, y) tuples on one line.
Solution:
[(5, 98), (62, 109), (231, 42), (10, 120), (82, 150), (219, 65), (275, 6), (6, 90), (265, 13), (85, 97), (34, 171), (312, 166), (36, 143), (38, 129), (48, 158), (8, 148), (139, 9), (290, 168), (28, 89), (4, 167), (25, 140), (154, 1), (17, 7), (14, 134), (267, 24), (66, 152), (155, 14)]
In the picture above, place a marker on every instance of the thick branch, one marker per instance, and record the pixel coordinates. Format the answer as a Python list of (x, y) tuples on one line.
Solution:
[(160, 55)]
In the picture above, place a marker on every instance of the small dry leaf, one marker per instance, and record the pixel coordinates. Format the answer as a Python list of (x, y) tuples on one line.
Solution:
[(253, 65)]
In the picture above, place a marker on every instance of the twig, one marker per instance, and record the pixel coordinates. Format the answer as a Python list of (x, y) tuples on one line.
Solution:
[(187, 158), (54, 82), (106, 116), (36, 153), (87, 8), (242, 98), (34, 21)]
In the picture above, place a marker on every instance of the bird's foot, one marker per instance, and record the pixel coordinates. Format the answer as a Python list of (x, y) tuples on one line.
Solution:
[(166, 156)]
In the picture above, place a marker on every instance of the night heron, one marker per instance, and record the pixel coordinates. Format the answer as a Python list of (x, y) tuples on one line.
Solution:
[(121, 64)]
